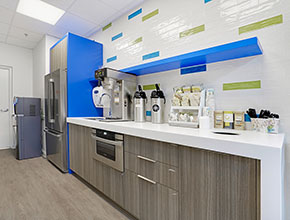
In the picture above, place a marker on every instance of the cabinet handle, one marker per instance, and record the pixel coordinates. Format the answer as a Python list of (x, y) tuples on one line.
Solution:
[(146, 179), (171, 170), (147, 159)]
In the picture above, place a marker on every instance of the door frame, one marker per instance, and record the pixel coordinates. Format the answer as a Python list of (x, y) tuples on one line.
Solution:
[(10, 94)]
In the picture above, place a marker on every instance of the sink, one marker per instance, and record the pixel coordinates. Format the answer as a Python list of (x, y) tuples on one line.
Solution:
[(96, 119), (225, 133)]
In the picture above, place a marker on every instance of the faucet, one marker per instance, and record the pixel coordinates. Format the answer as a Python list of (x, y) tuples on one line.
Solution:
[(100, 102)]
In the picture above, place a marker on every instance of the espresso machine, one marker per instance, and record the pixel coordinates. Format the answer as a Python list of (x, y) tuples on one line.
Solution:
[(116, 94)]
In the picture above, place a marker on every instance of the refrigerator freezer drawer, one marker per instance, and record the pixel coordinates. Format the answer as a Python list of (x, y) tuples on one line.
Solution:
[(56, 149)]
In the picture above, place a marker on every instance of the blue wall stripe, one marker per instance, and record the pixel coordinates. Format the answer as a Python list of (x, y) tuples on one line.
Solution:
[(193, 69), (111, 59), (206, 1), (117, 36), (134, 14), (151, 55)]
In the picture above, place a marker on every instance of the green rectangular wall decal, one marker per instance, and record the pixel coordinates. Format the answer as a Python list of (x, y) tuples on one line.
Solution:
[(150, 15), (137, 41), (242, 85), (192, 31), (149, 87), (261, 24), (107, 26)]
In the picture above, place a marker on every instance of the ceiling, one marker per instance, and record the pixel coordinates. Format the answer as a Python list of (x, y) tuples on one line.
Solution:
[(82, 17)]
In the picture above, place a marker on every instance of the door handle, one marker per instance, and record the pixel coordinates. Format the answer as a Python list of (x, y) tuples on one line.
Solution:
[(53, 134), (146, 179), (146, 159), (4, 110), (115, 143)]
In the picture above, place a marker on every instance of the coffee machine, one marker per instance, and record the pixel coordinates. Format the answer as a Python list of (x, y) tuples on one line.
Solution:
[(118, 89)]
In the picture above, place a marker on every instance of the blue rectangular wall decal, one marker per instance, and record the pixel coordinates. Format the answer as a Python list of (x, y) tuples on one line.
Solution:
[(117, 36), (134, 14), (193, 69), (151, 55), (111, 59), (206, 1)]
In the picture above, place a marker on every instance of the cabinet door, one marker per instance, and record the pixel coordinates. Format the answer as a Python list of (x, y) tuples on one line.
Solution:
[(58, 56), (97, 174), (217, 186), (157, 202), (148, 199), (113, 184), (167, 203), (131, 193), (80, 143)]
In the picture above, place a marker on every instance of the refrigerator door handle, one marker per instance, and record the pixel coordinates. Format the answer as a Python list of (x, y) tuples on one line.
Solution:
[(51, 111), (53, 134)]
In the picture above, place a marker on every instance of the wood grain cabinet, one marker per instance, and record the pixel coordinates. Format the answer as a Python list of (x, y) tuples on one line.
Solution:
[(80, 150), (153, 177), (163, 181), (216, 186), (58, 56)]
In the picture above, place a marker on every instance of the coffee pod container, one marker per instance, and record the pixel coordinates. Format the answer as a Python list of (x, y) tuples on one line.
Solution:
[(140, 100), (157, 105)]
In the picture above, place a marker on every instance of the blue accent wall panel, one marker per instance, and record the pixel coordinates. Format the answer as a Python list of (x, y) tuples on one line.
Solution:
[(151, 55), (117, 36), (234, 50), (193, 69), (134, 14), (84, 57), (111, 59)]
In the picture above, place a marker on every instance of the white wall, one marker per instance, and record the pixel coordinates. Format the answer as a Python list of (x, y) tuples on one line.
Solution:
[(20, 60), (222, 20), (40, 68)]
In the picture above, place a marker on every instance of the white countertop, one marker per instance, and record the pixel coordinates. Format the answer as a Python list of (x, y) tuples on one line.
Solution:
[(247, 143), (268, 148)]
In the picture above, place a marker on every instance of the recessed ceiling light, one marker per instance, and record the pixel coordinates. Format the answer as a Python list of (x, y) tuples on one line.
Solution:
[(40, 10)]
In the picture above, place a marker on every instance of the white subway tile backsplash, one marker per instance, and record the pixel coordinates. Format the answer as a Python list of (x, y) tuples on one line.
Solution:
[(222, 19)]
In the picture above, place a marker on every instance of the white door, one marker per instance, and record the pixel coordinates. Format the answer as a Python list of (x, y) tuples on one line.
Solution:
[(5, 127)]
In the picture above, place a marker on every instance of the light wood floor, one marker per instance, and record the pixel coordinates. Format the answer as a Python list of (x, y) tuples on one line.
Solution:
[(35, 190)]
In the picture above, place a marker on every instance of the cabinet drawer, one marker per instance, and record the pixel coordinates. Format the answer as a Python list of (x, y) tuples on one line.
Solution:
[(154, 150), (158, 172), (168, 176)]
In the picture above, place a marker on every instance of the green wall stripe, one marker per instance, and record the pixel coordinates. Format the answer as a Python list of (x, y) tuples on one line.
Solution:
[(138, 40), (192, 31), (150, 15), (107, 26), (242, 85), (261, 24), (149, 87)]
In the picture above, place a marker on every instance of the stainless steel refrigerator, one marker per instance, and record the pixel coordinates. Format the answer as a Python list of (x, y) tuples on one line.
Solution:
[(55, 118)]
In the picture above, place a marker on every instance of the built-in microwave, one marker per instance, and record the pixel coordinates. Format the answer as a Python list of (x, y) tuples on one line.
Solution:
[(109, 148)]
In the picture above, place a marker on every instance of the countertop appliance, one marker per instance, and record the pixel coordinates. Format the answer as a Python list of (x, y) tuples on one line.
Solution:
[(120, 88), (158, 104), (140, 100), (109, 148), (68, 92), (28, 124)]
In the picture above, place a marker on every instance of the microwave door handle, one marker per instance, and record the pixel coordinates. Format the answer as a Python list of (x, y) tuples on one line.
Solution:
[(116, 143)]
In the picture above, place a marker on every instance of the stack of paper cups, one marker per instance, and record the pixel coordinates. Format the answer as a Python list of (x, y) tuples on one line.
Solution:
[(204, 122)]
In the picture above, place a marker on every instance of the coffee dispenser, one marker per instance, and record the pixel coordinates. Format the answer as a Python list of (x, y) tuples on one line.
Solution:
[(157, 105), (119, 88)]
